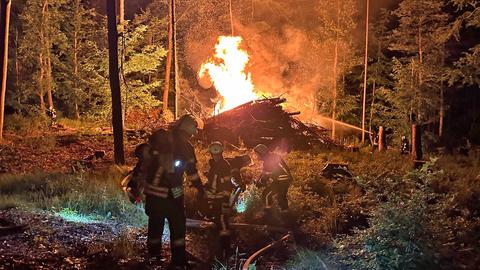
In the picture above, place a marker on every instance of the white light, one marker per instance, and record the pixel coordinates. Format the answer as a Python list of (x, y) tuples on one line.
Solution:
[(177, 163)]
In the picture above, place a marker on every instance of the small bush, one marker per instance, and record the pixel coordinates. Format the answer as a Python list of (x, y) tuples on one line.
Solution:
[(404, 232), (308, 260), (23, 125)]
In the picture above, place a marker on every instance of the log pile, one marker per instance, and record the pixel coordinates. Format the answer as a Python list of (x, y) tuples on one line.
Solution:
[(264, 121)]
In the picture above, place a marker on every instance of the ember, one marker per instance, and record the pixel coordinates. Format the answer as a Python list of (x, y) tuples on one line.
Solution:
[(264, 121)]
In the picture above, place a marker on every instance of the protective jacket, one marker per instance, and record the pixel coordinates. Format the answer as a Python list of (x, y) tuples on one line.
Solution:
[(275, 169), (220, 183), (277, 177), (171, 157)]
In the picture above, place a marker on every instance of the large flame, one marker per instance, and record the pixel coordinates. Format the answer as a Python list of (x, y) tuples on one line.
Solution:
[(227, 72)]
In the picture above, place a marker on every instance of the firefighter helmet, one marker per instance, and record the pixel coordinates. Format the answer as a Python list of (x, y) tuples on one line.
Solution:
[(188, 123), (141, 151), (215, 148), (261, 149)]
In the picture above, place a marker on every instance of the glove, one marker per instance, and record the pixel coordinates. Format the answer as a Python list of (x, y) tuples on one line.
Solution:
[(138, 200)]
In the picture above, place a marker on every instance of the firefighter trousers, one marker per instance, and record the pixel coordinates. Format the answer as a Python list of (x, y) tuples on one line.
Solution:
[(220, 208), (158, 209), (276, 190)]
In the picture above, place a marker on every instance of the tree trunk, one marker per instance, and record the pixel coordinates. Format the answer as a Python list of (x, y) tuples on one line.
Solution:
[(115, 83), (48, 69), (381, 139), (442, 109), (252, 8), (365, 74), (231, 18), (41, 58), (41, 75), (420, 51), (75, 54), (4, 25), (121, 15), (440, 121), (417, 153), (169, 59), (335, 64), (371, 111), (176, 86), (49, 80), (121, 22), (17, 63)]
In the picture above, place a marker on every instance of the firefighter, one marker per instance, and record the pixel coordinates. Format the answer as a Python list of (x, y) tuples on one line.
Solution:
[(172, 156), (219, 189), (276, 178), (405, 146), (53, 116), (237, 163)]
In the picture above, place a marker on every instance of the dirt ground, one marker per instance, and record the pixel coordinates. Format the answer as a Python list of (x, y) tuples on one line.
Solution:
[(51, 242), (58, 149)]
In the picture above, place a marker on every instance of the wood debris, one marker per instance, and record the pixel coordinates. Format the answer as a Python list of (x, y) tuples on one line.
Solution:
[(264, 121)]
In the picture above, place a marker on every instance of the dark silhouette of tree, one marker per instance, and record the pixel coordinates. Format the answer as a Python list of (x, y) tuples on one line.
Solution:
[(4, 24), (117, 122)]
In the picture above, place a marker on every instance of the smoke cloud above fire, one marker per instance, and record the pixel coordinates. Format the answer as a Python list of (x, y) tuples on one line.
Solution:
[(289, 55)]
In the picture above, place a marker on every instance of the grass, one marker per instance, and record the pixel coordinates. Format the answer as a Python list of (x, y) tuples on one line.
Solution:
[(22, 125), (324, 208), (125, 245), (94, 196), (306, 259)]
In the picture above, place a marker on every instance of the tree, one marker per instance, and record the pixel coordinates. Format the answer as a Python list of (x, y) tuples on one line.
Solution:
[(337, 24), (365, 72), (168, 64), (418, 69), (466, 69), (82, 76), (41, 44), (117, 122), (4, 26)]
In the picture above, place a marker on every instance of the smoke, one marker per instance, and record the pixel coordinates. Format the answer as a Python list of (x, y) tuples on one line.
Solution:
[(284, 59), (290, 56)]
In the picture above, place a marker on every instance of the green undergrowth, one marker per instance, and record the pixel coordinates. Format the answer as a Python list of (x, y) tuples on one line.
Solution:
[(388, 216), (306, 259), (94, 196)]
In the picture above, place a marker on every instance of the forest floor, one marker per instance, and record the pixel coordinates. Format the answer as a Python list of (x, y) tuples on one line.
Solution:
[(78, 217), (59, 235)]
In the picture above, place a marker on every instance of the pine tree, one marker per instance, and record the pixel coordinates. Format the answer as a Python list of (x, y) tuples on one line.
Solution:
[(418, 69), (466, 70), (337, 24), (82, 80), (143, 68), (42, 41)]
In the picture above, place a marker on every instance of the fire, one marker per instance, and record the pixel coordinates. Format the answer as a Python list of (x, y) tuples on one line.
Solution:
[(227, 72)]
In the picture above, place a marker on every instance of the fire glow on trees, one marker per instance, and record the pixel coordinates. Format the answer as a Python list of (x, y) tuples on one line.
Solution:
[(227, 73)]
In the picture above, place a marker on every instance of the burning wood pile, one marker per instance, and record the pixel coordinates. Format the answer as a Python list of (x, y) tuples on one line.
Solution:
[(264, 121)]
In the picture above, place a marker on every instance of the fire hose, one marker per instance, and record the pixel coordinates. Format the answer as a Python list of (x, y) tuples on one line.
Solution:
[(252, 257)]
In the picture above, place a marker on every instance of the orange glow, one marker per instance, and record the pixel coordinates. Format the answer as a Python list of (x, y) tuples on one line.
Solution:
[(227, 72)]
